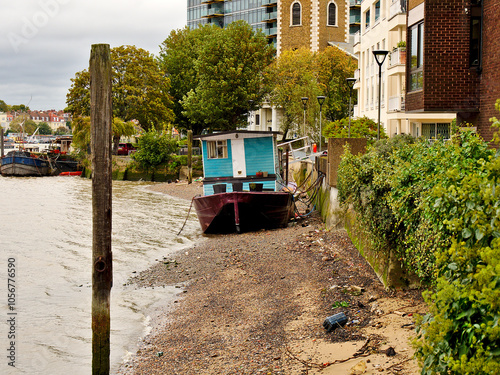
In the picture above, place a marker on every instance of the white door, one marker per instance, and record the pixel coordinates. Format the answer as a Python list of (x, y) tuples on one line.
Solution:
[(238, 152)]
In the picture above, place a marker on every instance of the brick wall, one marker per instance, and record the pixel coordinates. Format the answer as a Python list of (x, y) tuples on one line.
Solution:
[(449, 82), (332, 33), (490, 77), (293, 37)]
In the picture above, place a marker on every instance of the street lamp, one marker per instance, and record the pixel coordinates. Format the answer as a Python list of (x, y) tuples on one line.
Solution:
[(304, 103), (380, 56), (350, 83), (321, 100)]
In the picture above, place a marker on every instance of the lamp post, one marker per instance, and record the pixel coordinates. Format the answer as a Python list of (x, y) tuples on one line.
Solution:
[(321, 100), (350, 82), (304, 103), (380, 56)]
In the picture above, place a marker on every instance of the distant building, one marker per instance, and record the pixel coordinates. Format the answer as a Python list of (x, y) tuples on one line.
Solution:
[(454, 59)]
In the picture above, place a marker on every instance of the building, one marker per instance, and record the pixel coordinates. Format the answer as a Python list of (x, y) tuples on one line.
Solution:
[(288, 24), (455, 54), (384, 27)]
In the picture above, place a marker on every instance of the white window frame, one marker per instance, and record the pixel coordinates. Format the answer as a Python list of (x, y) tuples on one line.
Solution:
[(217, 149), (291, 13), (336, 14)]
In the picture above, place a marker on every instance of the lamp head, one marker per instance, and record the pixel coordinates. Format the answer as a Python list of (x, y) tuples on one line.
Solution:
[(304, 99), (321, 100), (351, 82), (380, 56)]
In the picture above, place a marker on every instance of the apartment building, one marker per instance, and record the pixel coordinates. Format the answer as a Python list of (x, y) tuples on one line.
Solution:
[(455, 59), (288, 24), (384, 27)]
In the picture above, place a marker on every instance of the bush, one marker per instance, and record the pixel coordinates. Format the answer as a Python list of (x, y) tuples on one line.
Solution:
[(360, 128), (154, 149)]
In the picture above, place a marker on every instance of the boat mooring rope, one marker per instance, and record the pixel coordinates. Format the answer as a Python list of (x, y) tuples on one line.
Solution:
[(187, 217)]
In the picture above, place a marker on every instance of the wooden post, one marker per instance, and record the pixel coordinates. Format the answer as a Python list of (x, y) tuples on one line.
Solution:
[(102, 271), (1, 141), (190, 156), (286, 160)]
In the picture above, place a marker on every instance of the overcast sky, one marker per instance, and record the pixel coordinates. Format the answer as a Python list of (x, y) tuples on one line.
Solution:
[(43, 43)]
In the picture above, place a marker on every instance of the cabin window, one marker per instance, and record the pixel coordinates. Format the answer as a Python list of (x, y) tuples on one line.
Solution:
[(217, 149)]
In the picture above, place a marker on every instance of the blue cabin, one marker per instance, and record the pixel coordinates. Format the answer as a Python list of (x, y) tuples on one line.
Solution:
[(240, 160)]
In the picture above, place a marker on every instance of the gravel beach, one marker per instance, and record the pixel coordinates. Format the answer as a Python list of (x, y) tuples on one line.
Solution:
[(255, 303)]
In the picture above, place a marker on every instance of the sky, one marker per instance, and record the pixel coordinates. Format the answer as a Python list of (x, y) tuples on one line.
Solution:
[(43, 43)]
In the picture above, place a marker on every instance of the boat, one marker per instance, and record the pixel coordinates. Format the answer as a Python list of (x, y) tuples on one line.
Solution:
[(237, 195), (24, 163)]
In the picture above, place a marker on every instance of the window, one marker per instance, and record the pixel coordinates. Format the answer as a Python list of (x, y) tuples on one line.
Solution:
[(475, 41), (296, 14), (416, 56), (332, 14), (367, 19), (217, 149), (377, 11), (257, 120), (436, 131)]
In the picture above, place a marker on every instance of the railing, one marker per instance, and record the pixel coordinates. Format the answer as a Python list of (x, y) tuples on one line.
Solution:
[(271, 31), (355, 2), (397, 7), (396, 104), (355, 111), (356, 74), (269, 2), (397, 57), (355, 18), (271, 16), (357, 38)]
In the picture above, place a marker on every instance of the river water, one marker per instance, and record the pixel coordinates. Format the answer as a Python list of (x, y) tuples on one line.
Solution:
[(46, 232)]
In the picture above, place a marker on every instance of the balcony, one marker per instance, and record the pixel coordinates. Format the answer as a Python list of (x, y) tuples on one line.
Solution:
[(356, 74), (272, 16), (397, 7), (397, 57), (396, 104), (273, 31), (214, 12), (266, 3), (211, 1), (355, 18), (355, 111), (354, 3), (357, 38)]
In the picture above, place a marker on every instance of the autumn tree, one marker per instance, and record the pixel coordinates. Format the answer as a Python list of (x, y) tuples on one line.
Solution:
[(140, 89), (23, 124), (302, 73), (218, 79)]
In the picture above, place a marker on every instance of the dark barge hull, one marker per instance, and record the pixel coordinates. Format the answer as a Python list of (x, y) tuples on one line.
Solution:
[(23, 166), (243, 211)]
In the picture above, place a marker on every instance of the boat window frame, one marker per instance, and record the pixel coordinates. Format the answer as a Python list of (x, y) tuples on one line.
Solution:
[(217, 149)]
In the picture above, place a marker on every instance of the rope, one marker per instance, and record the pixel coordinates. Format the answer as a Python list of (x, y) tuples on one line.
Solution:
[(187, 217)]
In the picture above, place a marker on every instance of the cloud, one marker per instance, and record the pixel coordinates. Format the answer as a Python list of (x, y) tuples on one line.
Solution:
[(45, 42)]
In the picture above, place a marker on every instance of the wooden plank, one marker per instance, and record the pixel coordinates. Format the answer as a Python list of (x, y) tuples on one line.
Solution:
[(101, 135)]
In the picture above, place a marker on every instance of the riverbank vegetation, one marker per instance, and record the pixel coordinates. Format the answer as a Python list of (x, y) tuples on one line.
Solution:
[(436, 206)]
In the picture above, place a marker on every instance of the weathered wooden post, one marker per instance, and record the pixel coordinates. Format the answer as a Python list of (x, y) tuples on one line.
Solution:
[(190, 156), (101, 134), (1, 141)]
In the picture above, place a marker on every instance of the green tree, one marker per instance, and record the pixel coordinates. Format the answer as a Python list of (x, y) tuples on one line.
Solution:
[(154, 149), (62, 130), (140, 89), (44, 128), (3, 106), (224, 74), (19, 108), (360, 128), (23, 124), (122, 128), (292, 77), (81, 133), (334, 67), (178, 55)]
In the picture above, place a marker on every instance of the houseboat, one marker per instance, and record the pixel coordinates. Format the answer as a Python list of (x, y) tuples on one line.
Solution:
[(241, 189)]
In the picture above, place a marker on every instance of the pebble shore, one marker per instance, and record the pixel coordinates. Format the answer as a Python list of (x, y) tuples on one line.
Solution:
[(246, 301)]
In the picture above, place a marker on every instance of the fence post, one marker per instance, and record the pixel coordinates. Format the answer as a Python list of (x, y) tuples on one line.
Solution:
[(190, 156), (101, 135)]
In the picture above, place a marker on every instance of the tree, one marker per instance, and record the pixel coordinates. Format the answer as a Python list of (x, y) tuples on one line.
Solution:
[(140, 90), (334, 67), (62, 130), (23, 124), (302, 73), (293, 76), (81, 133), (360, 128), (19, 108), (224, 74), (122, 128), (178, 55), (3, 106), (44, 128), (154, 149)]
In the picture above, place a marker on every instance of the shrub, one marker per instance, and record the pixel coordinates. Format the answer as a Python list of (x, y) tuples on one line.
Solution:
[(154, 149), (360, 128)]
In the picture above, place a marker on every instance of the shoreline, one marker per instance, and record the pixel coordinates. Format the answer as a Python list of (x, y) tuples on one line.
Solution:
[(255, 303)]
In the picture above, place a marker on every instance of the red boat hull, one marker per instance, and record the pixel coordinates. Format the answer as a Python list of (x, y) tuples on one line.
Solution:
[(243, 211)]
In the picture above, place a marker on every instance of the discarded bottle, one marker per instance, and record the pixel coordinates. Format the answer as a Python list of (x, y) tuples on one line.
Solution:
[(335, 321)]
